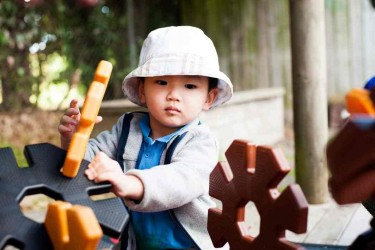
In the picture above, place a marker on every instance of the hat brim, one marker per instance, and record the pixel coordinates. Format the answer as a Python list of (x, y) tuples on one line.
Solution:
[(130, 86)]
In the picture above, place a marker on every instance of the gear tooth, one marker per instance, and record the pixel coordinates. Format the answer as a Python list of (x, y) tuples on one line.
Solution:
[(274, 163), (7, 156), (221, 176), (216, 227), (240, 154), (295, 217), (33, 155)]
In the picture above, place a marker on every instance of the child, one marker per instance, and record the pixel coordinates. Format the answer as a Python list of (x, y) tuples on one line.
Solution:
[(163, 171)]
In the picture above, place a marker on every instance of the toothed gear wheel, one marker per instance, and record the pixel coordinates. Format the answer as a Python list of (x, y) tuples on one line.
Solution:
[(253, 174), (351, 162), (44, 177)]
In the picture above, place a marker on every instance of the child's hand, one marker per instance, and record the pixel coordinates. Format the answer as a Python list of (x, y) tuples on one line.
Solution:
[(69, 123), (103, 168)]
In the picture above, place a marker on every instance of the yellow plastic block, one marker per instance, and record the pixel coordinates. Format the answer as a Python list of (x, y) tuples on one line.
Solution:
[(90, 110), (84, 229), (56, 224), (72, 227), (358, 101)]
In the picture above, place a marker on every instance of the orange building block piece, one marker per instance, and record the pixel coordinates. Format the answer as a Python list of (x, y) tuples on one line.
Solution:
[(253, 174), (358, 101), (72, 227), (84, 230), (56, 224), (90, 110)]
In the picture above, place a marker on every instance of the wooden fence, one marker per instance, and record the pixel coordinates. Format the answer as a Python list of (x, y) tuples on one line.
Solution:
[(255, 48)]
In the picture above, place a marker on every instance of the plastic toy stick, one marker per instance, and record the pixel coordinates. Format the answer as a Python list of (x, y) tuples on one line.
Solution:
[(358, 101), (72, 227), (90, 110)]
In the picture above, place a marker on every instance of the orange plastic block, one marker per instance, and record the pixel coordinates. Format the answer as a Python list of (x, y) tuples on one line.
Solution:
[(75, 154), (84, 230), (56, 224), (358, 101), (90, 110), (92, 103), (72, 227)]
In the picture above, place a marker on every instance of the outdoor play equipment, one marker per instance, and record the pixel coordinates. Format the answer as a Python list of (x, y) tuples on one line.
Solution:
[(50, 172), (253, 174), (43, 176)]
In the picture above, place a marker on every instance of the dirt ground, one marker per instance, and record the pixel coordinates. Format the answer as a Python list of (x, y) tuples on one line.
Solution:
[(29, 127)]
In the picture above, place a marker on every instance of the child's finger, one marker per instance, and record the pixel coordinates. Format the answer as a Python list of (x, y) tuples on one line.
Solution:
[(64, 129), (68, 120), (72, 112), (74, 109), (90, 174), (74, 103), (98, 119)]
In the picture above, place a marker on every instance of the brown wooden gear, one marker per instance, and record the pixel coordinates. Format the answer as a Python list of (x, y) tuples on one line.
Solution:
[(253, 174)]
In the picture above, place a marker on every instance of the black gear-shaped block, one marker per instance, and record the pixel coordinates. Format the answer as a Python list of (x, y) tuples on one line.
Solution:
[(43, 176)]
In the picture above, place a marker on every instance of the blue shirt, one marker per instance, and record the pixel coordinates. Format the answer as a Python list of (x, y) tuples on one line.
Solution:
[(157, 230)]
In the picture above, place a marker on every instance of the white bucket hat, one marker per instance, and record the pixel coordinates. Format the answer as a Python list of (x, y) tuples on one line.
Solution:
[(181, 50)]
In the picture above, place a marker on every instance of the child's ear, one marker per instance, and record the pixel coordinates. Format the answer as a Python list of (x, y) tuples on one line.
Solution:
[(141, 91), (211, 97)]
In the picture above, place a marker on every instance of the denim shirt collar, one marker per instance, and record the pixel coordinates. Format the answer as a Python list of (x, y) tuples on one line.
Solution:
[(146, 130)]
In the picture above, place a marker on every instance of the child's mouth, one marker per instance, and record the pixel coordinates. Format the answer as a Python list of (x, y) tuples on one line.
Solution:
[(172, 109)]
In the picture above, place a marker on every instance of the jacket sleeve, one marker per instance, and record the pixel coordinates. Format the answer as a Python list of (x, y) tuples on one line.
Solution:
[(106, 142), (186, 178)]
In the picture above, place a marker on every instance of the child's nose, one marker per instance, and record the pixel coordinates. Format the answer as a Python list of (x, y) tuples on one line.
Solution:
[(173, 95)]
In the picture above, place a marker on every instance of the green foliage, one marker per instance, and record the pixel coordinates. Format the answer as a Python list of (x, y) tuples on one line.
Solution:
[(18, 153), (83, 36), (18, 31)]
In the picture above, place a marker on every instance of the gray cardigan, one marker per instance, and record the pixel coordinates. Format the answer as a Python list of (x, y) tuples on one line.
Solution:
[(181, 185)]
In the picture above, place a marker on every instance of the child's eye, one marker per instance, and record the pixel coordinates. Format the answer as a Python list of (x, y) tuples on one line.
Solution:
[(161, 82), (190, 86)]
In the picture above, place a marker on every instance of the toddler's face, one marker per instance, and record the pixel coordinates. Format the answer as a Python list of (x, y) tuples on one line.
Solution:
[(174, 101)]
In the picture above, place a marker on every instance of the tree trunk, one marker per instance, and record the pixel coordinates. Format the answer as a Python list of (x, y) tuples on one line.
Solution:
[(309, 97)]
